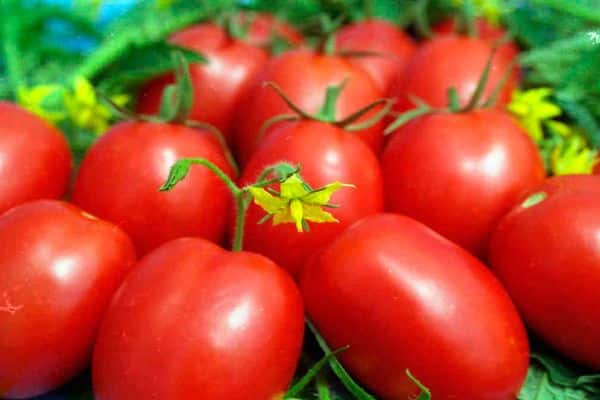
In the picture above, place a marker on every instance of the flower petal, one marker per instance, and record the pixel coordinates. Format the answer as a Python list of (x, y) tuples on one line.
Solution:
[(293, 187), (322, 195), (265, 200)]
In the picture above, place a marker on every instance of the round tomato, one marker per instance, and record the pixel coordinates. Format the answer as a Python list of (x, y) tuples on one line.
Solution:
[(546, 251), (597, 168), (59, 268), (460, 173), (451, 61), (395, 46), (403, 297), (304, 77), (36, 160), (218, 85), (120, 175), (193, 321), (326, 154)]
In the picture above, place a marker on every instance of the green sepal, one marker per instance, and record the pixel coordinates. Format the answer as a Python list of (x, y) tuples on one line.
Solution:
[(425, 392), (453, 100), (178, 98), (327, 111)]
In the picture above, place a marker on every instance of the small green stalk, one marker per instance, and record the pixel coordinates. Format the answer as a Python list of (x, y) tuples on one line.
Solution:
[(241, 195)]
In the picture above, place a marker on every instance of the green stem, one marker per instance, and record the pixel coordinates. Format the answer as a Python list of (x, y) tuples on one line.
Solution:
[(323, 392), (10, 50), (242, 202)]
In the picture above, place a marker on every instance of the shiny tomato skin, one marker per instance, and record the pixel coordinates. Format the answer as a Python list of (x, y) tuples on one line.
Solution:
[(451, 61), (380, 36), (403, 297), (59, 268), (304, 76), (193, 321), (262, 26), (326, 154), (220, 84), (119, 177), (486, 31), (36, 160), (478, 164), (547, 256), (597, 169)]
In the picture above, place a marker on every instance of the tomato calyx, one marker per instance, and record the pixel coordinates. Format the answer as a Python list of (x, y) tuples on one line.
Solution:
[(475, 102), (534, 199), (326, 113)]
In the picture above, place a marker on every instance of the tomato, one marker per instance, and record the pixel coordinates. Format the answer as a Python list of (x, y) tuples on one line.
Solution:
[(460, 173), (597, 168), (193, 321), (120, 175), (218, 85), (261, 27), (491, 33), (326, 154), (547, 254), (35, 158), (379, 36), (304, 76), (59, 268), (451, 61), (403, 297)]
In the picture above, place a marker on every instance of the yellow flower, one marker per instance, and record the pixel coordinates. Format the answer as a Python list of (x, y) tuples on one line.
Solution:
[(297, 203), (532, 108), (84, 108), (573, 156), (32, 99), (491, 10)]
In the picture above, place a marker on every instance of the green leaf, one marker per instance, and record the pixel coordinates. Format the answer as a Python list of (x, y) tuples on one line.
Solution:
[(178, 172)]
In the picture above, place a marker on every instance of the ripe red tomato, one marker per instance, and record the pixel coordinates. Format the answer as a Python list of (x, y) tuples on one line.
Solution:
[(218, 85), (460, 173), (403, 297), (547, 254), (597, 168), (326, 154), (451, 61), (304, 76), (59, 268), (379, 36), (35, 158), (262, 26), (120, 175), (193, 321), (486, 31)]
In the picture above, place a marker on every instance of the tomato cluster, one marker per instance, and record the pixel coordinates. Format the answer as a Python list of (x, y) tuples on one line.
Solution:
[(449, 243)]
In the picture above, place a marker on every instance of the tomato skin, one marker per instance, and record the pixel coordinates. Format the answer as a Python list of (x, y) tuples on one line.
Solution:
[(597, 169), (433, 309), (478, 165), (119, 177), (548, 257), (380, 36), (195, 321), (36, 160), (218, 85), (263, 25), (304, 76), (326, 154), (59, 268), (451, 61), (486, 31)]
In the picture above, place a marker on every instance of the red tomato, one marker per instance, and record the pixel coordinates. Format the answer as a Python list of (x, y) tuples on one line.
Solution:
[(486, 31), (218, 85), (59, 268), (460, 173), (379, 36), (548, 257), (304, 76), (597, 168), (193, 321), (263, 26), (35, 158), (403, 297), (326, 154), (451, 61), (119, 179)]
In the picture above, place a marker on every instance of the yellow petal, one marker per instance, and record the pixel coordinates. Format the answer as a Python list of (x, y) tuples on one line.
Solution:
[(84, 91), (559, 127), (317, 214), (283, 217), (271, 204), (120, 99), (322, 195), (297, 213), (293, 187)]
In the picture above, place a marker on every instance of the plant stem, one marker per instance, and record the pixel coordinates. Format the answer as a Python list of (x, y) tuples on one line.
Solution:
[(10, 49)]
